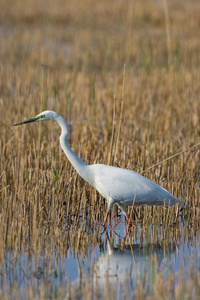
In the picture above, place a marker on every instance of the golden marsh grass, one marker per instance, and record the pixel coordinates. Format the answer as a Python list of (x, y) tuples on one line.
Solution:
[(71, 57)]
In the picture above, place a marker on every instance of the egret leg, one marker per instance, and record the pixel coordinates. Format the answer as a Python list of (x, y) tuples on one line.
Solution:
[(104, 225), (126, 216), (105, 219), (129, 221), (107, 235), (106, 232), (110, 205)]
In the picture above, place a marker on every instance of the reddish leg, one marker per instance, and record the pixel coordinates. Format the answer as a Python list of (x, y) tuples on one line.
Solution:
[(129, 223), (107, 236), (104, 225), (105, 219)]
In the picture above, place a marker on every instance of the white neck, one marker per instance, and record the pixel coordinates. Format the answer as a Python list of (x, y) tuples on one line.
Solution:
[(78, 164)]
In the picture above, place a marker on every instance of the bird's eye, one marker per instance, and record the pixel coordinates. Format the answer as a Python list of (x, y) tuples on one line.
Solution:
[(43, 116)]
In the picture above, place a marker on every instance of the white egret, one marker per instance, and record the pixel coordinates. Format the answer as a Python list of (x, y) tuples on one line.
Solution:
[(116, 185)]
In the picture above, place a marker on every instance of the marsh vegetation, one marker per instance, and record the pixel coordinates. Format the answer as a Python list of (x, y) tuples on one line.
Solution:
[(126, 77)]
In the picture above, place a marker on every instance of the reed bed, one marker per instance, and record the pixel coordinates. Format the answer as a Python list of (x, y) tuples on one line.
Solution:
[(126, 76)]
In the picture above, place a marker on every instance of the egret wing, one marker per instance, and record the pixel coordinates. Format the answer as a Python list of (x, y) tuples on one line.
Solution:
[(124, 185)]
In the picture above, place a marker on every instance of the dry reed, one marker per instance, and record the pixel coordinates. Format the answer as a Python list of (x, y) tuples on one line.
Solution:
[(69, 57)]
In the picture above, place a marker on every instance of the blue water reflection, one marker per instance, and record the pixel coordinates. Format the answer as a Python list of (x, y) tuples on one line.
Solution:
[(117, 262)]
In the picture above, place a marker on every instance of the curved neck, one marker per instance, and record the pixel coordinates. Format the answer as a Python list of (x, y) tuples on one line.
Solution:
[(77, 163)]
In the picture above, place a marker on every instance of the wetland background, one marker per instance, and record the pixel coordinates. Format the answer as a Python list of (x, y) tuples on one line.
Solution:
[(126, 77)]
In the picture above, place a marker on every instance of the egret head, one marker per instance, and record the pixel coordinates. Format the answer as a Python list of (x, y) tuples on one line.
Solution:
[(43, 116)]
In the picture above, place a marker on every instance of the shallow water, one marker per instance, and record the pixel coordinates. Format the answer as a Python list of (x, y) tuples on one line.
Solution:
[(118, 264)]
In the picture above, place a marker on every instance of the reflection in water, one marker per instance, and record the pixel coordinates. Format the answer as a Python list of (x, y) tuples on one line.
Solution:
[(120, 267)]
